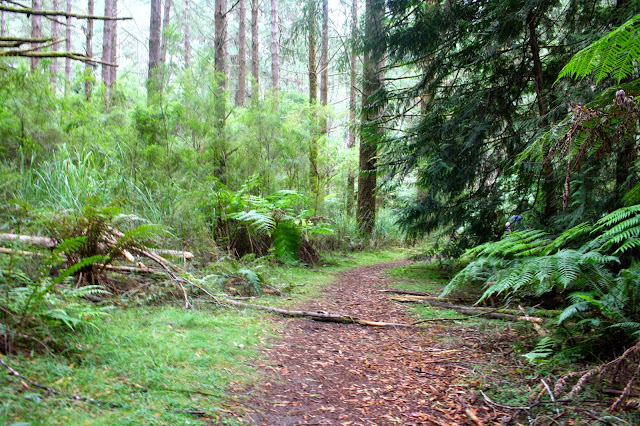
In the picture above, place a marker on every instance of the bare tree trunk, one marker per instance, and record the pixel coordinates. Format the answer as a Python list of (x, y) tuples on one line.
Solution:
[(371, 110), (113, 75), (275, 47), (255, 57), (220, 45), (154, 86), (164, 43), (36, 29), (550, 207), (242, 54), (108, 42), (187, 34), (67, 46), (313, 99), (351, 133), (88, 77), (54, 35), (324, 65), (2, 23)]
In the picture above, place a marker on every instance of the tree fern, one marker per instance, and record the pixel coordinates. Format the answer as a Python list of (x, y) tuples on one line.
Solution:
[(615, 54), (286, 241)]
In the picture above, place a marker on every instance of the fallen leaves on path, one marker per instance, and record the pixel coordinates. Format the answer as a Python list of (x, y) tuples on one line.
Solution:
[(326, 373)]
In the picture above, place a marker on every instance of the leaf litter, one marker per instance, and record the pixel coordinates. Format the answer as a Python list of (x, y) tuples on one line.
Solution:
[(326, 373)]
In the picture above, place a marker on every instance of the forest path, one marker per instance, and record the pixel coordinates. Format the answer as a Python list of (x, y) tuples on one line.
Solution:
[(348, 374)]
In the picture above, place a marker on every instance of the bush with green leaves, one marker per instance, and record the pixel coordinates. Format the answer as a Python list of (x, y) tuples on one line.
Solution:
[(582, 266), (37, 305)]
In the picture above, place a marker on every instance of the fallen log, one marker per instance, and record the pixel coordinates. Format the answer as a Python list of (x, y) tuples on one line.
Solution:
[(506, 313), (427, 296), (316, 316), (28, 239), (51, 243)]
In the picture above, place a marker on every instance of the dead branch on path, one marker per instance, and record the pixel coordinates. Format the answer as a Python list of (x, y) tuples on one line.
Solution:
[(316, 316), (505, 314)]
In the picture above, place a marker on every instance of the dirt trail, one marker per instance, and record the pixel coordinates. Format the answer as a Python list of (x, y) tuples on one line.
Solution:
[(347, 374)]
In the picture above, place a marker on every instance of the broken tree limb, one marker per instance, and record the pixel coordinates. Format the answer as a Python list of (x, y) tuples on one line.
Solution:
[(28, 239), (51, 243), (427, 296), (135, 269), (316, 316), (510, 314), (29, 11)]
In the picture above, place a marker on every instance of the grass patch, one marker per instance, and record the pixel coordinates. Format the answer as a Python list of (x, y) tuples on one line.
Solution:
[(154, 362), (158, 362)]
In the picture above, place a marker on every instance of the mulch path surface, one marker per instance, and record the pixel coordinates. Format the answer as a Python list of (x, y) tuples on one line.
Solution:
[(348, 374)]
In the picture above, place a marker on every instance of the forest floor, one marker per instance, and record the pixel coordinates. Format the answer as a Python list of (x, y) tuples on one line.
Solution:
[(349, 374)]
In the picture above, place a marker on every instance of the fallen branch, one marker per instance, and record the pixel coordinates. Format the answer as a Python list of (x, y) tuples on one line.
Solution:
[(316, 316), (135, 269), (427, 296), (28, 239), (27, 11), (506, 314)]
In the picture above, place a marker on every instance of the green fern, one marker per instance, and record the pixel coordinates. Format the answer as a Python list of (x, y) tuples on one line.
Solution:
[(623, 229), (614, 54), (286, 241)]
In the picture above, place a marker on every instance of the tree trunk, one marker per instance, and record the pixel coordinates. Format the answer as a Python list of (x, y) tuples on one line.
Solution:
[(187, 35), (88, 78), (351, 133), (255, 57), (324, 66), (36, 30), (242, 54), (220, 45), (275, 47), (164, 44), (67, 46), (550, 205), (154, 85), (108, 41), (2, 23), (313, 100), (113, 75), (54, 35), (371, 110)]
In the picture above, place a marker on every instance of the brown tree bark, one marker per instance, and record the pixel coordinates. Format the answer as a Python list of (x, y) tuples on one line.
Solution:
[(324, 65), (550, 205), (54, 35), (371, 110), (275, 47), (154, 86), (88, 78), (36, 29), (113, 75), (2, 22), (242, 54), (220, 45), (67, 46), (313, 99), (255, 56), (187, 34), (351, 133), (108, 41), (166, 19)]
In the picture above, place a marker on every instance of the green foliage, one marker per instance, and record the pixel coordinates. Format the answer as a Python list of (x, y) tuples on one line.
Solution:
[(616, 54), (36, 304)]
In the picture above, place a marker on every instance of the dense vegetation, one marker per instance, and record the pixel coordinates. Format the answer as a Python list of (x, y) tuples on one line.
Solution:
[(505, 131)]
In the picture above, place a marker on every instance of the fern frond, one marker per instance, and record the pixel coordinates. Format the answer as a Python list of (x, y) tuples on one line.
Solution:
[(262, 222), (614, 54), (286, 241)]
